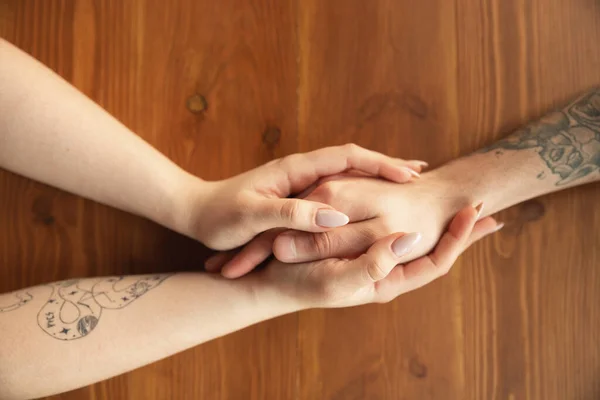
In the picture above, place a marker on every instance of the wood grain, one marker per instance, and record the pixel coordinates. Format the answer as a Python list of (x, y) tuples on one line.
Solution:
[(374, 83), (221, 87)]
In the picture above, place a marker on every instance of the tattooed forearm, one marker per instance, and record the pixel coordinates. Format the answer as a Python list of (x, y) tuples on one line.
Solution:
[(73, 308), (14, 300), (568, 141)]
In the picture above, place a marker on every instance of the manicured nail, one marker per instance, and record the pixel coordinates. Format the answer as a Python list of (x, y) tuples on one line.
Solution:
[(331, 218), (420, 163), (405, 244), (479, 208), (412, 172), (498, 227)]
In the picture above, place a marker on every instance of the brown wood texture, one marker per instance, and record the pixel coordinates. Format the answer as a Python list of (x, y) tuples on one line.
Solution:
[(518, 317)]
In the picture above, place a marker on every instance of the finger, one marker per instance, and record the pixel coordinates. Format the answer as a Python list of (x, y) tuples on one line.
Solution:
[(425, 269), (252, 255), (304, 169), (416, 165), (483, 228), (299, 214), (337, 177), (378, 261), (217, 260), (293, 246)]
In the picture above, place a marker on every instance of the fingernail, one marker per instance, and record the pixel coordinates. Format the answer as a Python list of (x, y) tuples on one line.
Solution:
[(498, 227), (331, 218), (412, 172), (289, 241), (404, 245), (422, 164), (479, 208)]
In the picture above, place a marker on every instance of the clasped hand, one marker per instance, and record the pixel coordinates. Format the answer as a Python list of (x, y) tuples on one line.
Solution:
[(395, 215)]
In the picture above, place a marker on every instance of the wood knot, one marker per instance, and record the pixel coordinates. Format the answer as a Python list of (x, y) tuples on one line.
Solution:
[(42, 210), (417, 368), (197, 104), (271, 136)]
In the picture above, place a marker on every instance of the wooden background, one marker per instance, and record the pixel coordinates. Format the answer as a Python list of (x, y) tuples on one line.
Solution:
[(519, 316)]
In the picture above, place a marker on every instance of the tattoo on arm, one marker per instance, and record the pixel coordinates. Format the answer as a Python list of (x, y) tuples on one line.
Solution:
[(73, 311), (568, 141), (19, 300)]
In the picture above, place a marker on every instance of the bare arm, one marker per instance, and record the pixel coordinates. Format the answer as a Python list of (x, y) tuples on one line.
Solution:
[(52, 133)]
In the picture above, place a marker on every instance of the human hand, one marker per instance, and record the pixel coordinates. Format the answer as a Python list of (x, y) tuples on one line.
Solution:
[(424, 206), (229, 213), (379, 275)]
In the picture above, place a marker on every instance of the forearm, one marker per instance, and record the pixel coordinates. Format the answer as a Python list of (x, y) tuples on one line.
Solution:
[(69, 334), (559, 151), (52, 133)]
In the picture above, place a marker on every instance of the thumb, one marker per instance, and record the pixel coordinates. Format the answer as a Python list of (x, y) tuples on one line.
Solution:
[(380, 259), (298, 214)]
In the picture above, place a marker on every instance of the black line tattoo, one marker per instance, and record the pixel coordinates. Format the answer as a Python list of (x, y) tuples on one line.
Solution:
[(22, 298), (72, 311), (568, 141)]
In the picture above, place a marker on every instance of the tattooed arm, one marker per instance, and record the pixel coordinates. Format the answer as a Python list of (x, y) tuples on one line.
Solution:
[(68, 334), (559, 151)]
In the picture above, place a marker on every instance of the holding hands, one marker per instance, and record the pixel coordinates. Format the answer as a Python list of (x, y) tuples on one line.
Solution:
[(334, 263), (347, 226)]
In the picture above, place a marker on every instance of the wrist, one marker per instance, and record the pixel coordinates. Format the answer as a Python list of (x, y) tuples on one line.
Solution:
[(447, 190), (273, 294), (476, 178), (190, 196)]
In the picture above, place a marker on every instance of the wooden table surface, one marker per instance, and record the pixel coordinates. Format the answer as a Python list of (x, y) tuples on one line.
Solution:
[(519, 315)]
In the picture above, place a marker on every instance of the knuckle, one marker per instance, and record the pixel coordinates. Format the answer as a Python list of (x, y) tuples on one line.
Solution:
[(322, 243), (290, 210), (327, 192), (352, 148), (291, 161), (375, 269), (442, 268), (370, 235)]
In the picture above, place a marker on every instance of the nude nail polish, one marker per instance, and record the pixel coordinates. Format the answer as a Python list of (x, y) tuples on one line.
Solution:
[(331, 218), (405, 244), (414, 173), (422, 164), (479, 209), (498, 227)]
